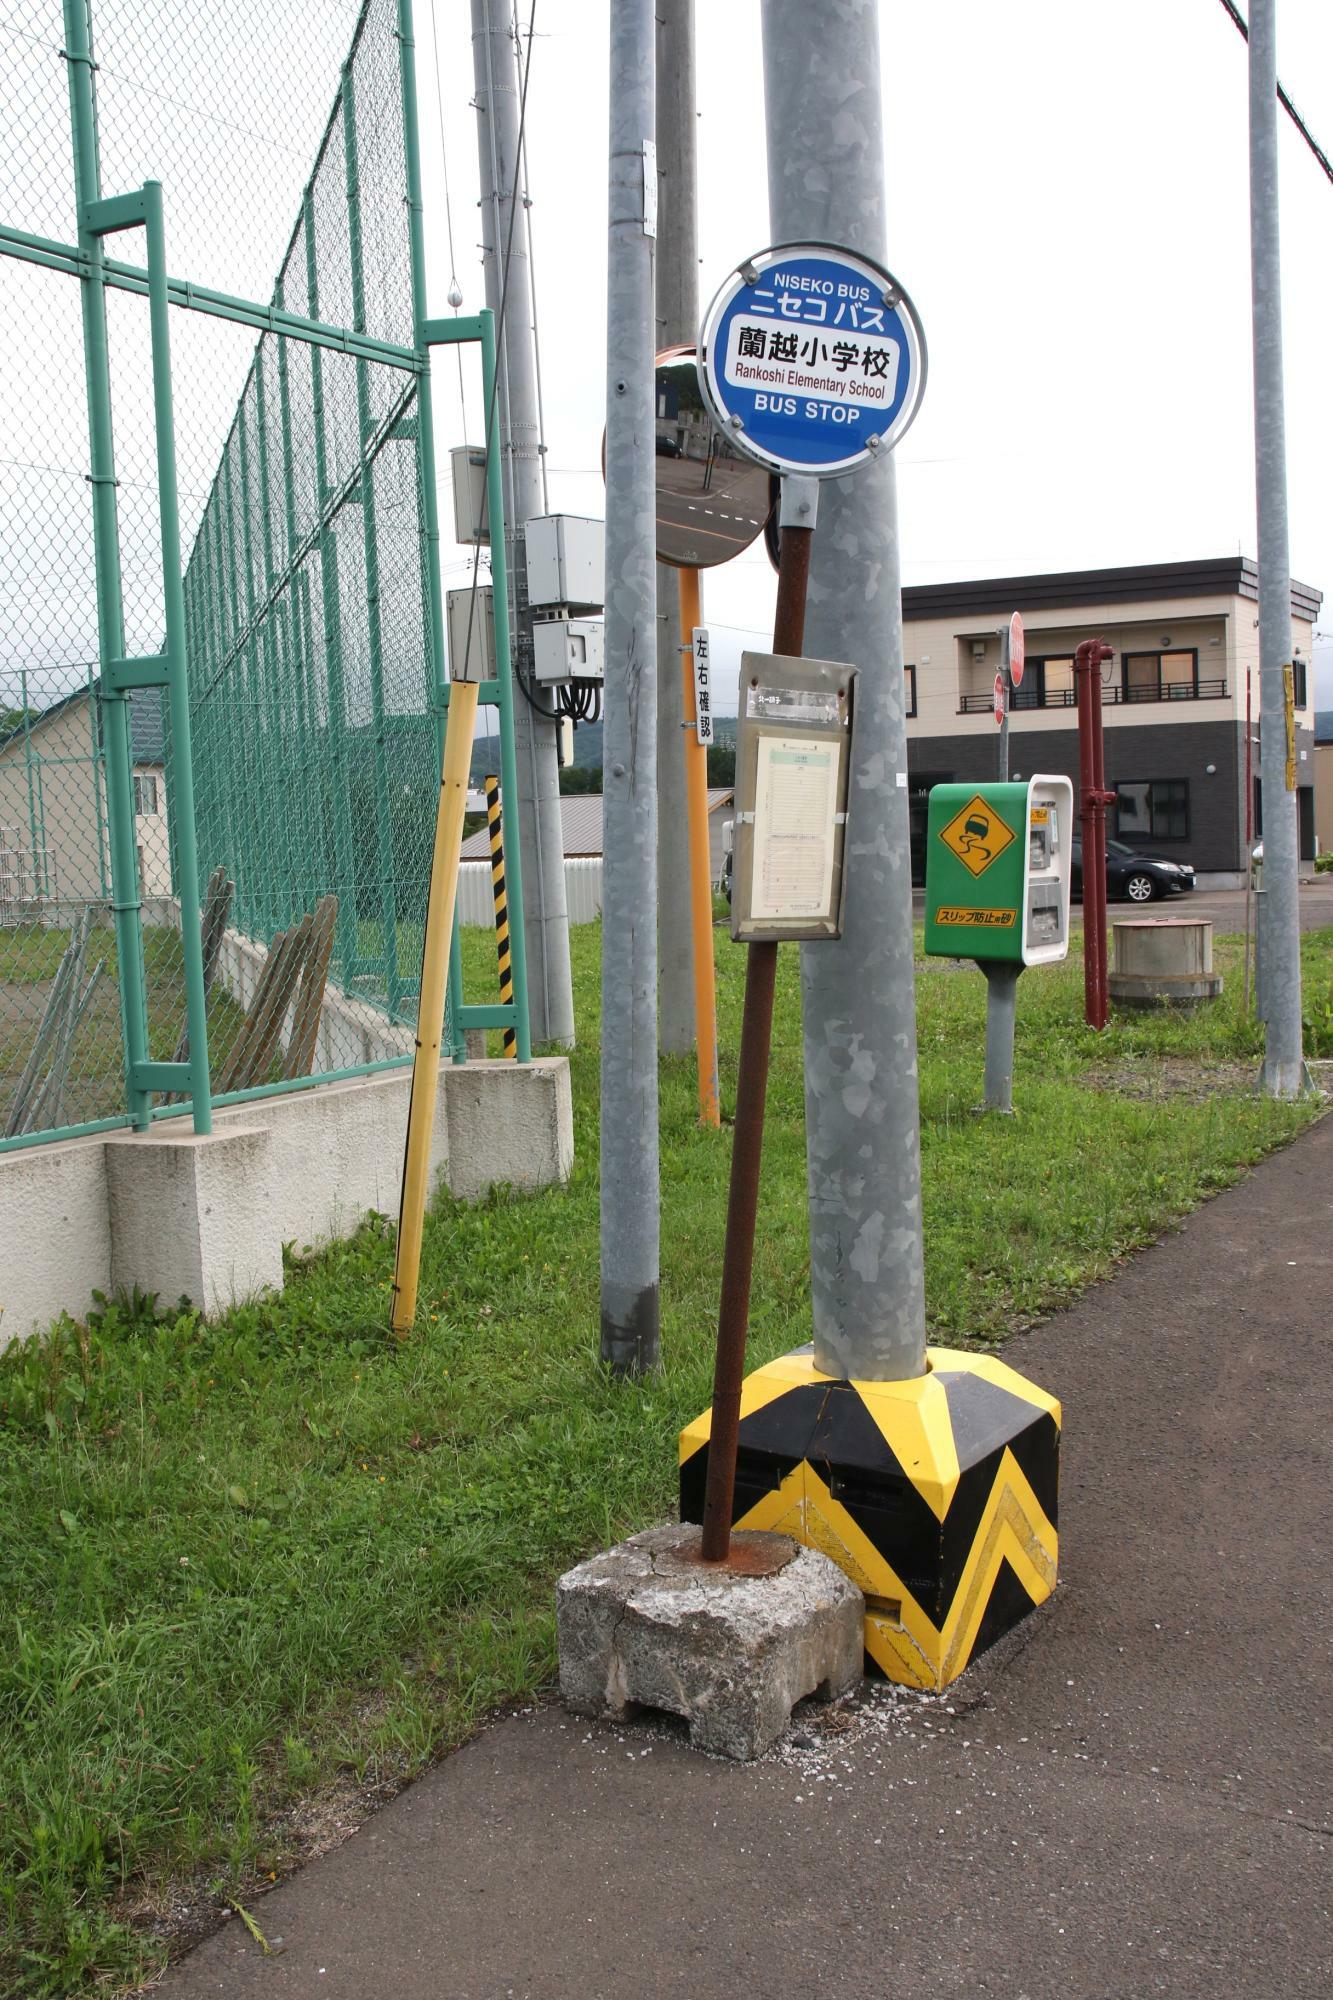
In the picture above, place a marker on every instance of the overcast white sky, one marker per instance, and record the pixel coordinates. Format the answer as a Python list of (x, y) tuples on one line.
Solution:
[(1067, 187)]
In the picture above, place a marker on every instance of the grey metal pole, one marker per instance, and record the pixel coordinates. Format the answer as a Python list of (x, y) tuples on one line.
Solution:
[(1001, 1007), (545, 905), (1279, 917), (826, 182), (1008, 703), (630, 1196), (677, 321)]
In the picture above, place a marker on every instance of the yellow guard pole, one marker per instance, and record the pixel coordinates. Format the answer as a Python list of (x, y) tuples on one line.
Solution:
[(440, 903), (701, 883)]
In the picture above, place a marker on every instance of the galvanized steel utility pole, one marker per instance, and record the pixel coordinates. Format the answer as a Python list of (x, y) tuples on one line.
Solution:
[(677, 323), (1280, 940), (505, 237), (630, 1195), (826, 184)]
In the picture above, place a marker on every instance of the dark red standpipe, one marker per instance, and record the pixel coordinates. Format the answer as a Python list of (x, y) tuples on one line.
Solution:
[(1094, 799)]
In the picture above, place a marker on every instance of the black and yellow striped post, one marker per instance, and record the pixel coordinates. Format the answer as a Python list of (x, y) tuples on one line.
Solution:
[(498, 891), (937, 1496)]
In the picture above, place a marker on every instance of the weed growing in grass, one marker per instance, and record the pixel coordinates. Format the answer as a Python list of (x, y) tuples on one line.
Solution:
[(250, 1565)]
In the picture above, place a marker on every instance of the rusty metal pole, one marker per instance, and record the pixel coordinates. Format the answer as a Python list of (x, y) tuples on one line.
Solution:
[(1094, 799), (748, 1136), (1249, 829)]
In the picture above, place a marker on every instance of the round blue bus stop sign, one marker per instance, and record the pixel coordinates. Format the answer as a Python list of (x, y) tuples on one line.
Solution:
[(812, 358)]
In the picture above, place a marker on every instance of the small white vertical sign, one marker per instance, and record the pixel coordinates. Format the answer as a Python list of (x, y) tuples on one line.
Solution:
[(703, 687), (649, 187)]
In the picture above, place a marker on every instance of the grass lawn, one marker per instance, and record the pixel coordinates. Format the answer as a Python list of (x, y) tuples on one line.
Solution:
[(256, 1571)]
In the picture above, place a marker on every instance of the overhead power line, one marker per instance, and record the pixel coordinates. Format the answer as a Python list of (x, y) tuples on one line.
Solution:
[(1284, 100)]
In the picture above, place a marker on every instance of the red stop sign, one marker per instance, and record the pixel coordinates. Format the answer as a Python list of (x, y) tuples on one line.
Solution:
[(1016, 652)]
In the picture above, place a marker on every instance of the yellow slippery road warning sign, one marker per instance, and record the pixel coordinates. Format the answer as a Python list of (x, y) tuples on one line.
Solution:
[(977, 835), (1003, 920)]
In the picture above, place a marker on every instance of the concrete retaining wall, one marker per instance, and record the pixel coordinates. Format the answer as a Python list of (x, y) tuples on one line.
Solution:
[(206, 1218)]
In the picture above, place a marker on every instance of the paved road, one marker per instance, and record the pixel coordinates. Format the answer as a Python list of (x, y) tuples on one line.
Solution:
[(1226, 907), (1130, 1797)]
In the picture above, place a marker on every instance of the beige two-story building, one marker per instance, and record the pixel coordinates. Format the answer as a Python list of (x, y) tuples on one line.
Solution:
[(54, 840), (1185, 639)]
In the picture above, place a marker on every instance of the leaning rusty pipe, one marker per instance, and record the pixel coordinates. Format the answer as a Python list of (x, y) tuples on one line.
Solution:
[(1094, 799)]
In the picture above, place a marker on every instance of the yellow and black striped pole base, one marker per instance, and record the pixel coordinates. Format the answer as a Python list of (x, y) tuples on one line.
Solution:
[(501, 899), (936, 1496)]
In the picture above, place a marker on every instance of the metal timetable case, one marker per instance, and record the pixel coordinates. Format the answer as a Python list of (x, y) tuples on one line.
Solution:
[(793, 756), (998, 871)]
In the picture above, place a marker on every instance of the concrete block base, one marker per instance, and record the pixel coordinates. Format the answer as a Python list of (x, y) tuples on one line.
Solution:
[(191, 1216), (731, 1650), (937, 1496), (510, 1124), (1163, 962), (1161, 989)]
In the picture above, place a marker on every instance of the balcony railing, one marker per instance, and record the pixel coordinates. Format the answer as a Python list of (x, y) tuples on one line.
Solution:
[(1113, 696)]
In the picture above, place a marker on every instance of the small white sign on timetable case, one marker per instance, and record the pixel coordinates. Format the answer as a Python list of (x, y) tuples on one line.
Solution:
[(703, 686), (795, 827)]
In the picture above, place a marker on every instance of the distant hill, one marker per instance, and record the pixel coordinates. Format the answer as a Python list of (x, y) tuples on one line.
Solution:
[(587, 746), (588, 740)]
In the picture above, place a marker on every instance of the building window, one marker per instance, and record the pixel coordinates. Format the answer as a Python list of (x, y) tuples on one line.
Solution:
[(145, 793), (1155, 809), (1160, 676), (1047, 683), (909, 690), (1298, 683)]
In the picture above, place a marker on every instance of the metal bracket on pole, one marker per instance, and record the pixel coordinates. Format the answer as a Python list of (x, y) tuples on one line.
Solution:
[(115, 212), (123, 676), (799, 504)]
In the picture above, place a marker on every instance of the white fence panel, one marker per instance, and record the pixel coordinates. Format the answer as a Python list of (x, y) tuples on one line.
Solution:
[(583, 891)]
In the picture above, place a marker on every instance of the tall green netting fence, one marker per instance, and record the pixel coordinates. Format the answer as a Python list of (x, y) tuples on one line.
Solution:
[(310, 715)]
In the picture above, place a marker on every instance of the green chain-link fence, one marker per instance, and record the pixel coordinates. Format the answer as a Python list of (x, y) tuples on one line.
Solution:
[(311, 637)]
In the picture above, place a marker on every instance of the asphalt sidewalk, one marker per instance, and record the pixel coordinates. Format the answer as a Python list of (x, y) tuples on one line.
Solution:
[(1130, 1796)]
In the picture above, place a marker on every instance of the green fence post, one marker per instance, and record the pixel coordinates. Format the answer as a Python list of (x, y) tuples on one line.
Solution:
[(125, 892), (267, 694), (344, 847), (97, 762), (236, 651), (298, 649), (32, 790), (178, 684), (428, 501), (221, 739), (500, 601), (276, 654), (370, 541)]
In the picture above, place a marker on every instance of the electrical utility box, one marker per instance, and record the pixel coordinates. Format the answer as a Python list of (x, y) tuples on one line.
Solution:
[(997, 871), (471, 621), (472, 523), (567, 649), (566, 559)]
